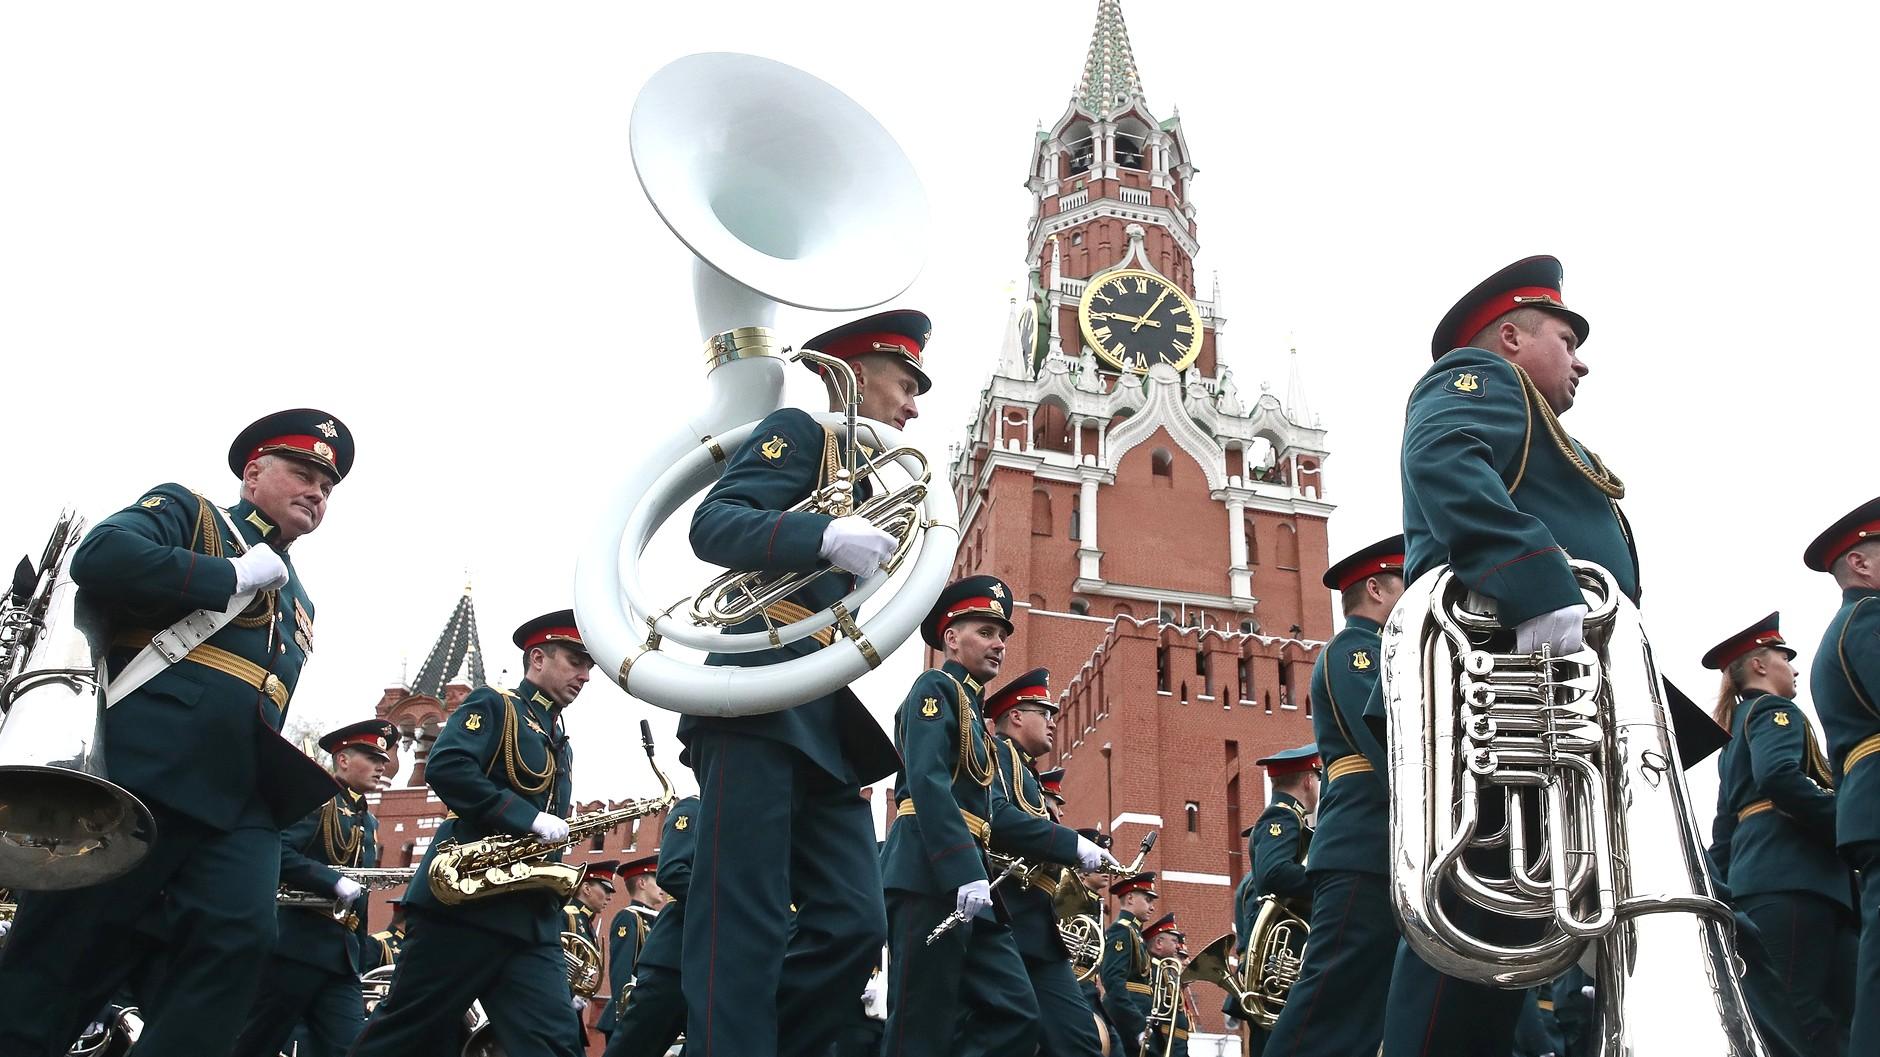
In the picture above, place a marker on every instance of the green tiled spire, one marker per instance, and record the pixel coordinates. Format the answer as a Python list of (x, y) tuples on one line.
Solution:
[(1109, 79)]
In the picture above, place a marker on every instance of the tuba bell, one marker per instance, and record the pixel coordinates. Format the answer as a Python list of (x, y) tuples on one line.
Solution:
[(787, 192), (62, 823), (1543, 795)]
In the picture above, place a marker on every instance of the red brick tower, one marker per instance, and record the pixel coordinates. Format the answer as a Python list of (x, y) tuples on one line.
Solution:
[(1163, 533)]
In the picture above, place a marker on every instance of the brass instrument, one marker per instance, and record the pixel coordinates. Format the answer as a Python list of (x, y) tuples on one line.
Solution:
[(63, 824), (1165, 1001), (1083, 940), (584, 964), (375, 984), (113, 1034), (735, 597), (497, 865), (1582, 743), (1069, 895), (372, 879), (1276, 952)]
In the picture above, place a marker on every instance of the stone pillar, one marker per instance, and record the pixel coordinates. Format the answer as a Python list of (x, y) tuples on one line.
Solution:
[(1240, 583), (1089, 558)]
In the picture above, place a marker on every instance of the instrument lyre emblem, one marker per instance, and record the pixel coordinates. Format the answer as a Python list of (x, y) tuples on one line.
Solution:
[(1466, 382), (773, 448)]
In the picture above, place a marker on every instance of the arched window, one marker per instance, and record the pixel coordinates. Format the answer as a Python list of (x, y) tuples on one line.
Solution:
[(1288, 547), (1162, 467), (1040, 512), (1077, 523), (1080, 607), (1161, 668)]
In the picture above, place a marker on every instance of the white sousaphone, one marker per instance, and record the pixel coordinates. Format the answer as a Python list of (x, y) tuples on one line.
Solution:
[(787, 192)]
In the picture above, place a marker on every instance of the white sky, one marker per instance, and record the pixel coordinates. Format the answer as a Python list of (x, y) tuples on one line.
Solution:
[(423, 218)]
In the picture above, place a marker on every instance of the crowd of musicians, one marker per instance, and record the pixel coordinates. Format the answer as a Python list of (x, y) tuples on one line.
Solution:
[(760, 926)]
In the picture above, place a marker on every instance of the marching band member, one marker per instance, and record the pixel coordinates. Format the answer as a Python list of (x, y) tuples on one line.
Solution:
[(582, 917), (652, 1014), (1846, 680), (1025, 718), (313, 977), (1774, 832), (503, 766), (387, 943), (966, 992), (1093, 985), (772, 784), (1350, 961), (1277, 842), (197, 741), (626, 934), (1164, 940), (1126, 991)]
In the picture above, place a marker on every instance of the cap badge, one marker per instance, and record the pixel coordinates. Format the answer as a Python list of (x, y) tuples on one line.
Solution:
[(929, 708), (997, 608), (323, 450), (997, 591), (380, 742), (328, 429), (680, 822), (1361, 661), (473, 722), (1273, 829), (1781, 719), (772, 449)]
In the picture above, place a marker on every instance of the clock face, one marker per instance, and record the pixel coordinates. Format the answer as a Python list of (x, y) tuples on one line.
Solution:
[(1136, 319)]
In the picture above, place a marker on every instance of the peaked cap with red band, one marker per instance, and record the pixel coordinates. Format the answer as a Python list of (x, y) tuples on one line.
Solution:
[(985, 597), (1530, 283), (604, 873), (1384, 556), (1858, 526), (1143, 882), (1765, 632), (372, 735), (1291, 761), (635, 867), (1165, 923), (900, 331), (1034, 688), (303, 433), (558, 626), (1052, 782)]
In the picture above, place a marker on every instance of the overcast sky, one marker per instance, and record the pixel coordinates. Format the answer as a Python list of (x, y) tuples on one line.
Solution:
[(423, 218)]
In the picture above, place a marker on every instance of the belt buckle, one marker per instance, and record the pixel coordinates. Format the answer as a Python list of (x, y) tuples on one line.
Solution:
[(166, 645)]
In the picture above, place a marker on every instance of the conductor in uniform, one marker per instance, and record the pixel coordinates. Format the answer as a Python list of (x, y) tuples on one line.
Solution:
[(780, 815), (966, 992), (313, 977), (1125, 969), (197, 740), (504, 767), (1025, 718), (1845, 678), (652, 1012), (1336, 1006), (1774, 833)]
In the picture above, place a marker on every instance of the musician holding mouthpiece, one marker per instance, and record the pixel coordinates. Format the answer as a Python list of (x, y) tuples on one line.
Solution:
[(966, 992), (1024, 716), (313, 976), (196, 738), (503, 766), (781, 815)]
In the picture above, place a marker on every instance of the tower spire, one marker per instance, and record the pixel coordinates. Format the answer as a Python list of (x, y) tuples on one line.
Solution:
[(458, 654), (1297, 408), (1109, 79)]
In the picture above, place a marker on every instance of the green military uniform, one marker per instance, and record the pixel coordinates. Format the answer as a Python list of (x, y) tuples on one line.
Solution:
[(774, 783), (1336, 1006), (1535, 1032), (1125, 971), (945, 794), (1276, 848), (653, 1013), (502, 758), (1845, 681), (313, 976), (1166, 1039), (1774, 842), (625, 933), (1574, 1019), (199, 744), (383, 948), (1023, 827)]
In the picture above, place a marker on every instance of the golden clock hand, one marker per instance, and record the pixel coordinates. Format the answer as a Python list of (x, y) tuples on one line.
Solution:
[(1153, 305)]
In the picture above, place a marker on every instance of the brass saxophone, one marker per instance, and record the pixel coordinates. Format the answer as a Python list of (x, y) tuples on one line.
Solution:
[(1582, 743), (498, 865)]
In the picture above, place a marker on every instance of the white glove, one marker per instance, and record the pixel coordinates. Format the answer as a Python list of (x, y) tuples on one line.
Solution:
[(258, 570), (855, 546), (1562, 629), (1586, 992), (4, 926), (347, 889), (580, 1004), (549, 828), (972, 897), (1090, 856)]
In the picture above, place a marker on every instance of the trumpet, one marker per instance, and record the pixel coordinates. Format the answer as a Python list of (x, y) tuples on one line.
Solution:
[(497, 865), (584, 964), (1065, 887), (372, 879)]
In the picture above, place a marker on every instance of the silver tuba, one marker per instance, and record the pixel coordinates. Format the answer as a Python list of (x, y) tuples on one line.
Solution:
[(1544, 794), (62, 823), (787, 192)]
